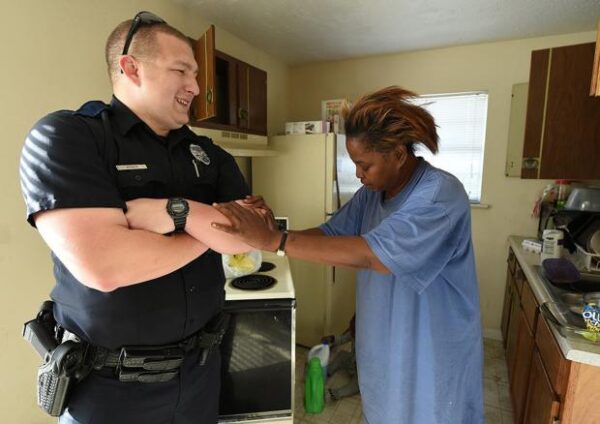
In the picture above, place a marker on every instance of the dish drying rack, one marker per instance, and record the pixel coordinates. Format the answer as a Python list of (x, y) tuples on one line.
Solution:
[(586, 260)]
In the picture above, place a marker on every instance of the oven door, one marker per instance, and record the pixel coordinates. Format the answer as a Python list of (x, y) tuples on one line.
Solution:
[(258, 352)]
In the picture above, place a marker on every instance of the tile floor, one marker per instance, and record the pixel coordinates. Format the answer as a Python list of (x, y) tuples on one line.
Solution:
[(348, 410)]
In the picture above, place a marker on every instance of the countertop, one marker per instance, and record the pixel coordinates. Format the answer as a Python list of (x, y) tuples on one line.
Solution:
[(573, 348)]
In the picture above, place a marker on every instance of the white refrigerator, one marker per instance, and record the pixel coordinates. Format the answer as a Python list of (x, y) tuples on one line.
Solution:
[(307, 180)]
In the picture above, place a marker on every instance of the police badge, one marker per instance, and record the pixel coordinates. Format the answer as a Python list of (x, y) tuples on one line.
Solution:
[(199, 153)]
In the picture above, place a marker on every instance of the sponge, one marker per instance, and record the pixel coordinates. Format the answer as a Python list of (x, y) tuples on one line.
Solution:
[(560, 271)]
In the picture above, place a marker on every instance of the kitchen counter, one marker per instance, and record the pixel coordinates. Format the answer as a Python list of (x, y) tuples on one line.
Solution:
[(573, 348)]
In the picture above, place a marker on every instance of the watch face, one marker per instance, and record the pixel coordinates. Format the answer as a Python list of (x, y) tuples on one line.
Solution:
[(178, 207)]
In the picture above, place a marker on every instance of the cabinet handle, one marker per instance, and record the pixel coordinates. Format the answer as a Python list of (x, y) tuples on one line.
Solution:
[(242, 113), (209, 96), (531, 163)]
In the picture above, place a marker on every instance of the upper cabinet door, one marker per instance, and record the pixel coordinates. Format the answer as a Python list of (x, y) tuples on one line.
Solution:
[(535, 113), (595, 88), (252, 98), (562, 131), (204, 104)]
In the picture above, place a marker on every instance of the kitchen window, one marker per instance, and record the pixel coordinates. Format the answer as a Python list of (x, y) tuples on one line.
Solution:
[(461, 121)]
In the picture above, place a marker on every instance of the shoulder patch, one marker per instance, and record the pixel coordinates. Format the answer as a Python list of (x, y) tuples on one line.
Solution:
[(92, 108)]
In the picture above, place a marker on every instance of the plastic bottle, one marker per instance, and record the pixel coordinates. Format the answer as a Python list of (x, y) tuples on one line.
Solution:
[(314, 387), (564, 187), (551, 244), (320, 351)]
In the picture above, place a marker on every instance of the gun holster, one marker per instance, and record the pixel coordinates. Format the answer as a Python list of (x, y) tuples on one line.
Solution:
[(63, 363)]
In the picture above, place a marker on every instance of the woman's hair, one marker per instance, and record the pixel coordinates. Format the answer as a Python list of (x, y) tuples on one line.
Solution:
[(143, 44), (386, 119)]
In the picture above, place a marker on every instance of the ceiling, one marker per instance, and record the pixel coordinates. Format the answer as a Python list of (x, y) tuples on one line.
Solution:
[(303, 31)]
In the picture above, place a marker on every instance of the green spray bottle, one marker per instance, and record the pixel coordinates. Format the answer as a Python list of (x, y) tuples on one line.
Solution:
[(314, 387)]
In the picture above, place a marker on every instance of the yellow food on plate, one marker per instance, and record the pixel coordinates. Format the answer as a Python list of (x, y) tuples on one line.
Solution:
[(242, 263)]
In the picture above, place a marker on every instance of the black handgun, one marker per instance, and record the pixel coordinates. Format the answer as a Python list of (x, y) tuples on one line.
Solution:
[(39, 332)]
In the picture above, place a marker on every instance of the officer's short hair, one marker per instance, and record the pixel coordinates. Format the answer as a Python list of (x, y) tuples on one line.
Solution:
[(142, 43)]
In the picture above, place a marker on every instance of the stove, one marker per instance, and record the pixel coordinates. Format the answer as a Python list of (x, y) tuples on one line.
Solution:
[(273, 266), (258, 350)]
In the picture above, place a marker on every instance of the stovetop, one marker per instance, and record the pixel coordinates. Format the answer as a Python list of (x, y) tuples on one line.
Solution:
[(273, 266)]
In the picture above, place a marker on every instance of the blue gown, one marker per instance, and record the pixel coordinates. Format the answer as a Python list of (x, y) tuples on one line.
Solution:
[(418, 330)]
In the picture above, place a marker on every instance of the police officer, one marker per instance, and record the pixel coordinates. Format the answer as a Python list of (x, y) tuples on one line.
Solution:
[(116, 286)]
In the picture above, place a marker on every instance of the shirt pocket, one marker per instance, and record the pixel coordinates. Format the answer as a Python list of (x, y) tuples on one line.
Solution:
[(134, 184), (201, 182)]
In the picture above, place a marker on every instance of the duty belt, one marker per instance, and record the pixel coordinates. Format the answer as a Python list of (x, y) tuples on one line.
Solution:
[(154, 364)]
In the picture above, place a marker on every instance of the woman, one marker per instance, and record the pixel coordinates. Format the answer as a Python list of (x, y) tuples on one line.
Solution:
[(408, 229)]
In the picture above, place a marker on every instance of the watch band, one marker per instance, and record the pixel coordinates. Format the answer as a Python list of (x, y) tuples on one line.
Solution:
[(281, 249), (179, 223)]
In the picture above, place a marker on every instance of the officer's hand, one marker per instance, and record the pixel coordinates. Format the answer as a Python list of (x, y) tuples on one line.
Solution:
[(149, 215)]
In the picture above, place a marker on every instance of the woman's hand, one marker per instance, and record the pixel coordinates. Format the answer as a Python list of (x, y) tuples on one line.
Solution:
[(252, 225), (150, 215), (258, 204)]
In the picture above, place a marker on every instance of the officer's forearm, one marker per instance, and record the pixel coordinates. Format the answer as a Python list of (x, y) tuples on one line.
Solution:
[(198, 225), (99, 249)]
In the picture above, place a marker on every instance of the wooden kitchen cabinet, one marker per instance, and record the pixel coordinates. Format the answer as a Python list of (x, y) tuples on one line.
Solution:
[(520, 341), (542, 404), (508, 296), (562, 128), (511, 316), (203, 106), (520, 368), (556, 365), (527, 373), (252, 98), (233, 94), (545, 386)]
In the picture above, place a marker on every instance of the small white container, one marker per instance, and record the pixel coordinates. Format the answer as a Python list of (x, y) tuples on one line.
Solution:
[(320, 351), (552, 241)]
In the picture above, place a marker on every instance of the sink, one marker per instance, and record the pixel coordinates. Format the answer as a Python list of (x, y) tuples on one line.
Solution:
[(571, 295), (574, 301), (565, 307)]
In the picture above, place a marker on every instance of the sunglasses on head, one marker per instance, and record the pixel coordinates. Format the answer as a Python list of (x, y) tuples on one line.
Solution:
[(142, 18)]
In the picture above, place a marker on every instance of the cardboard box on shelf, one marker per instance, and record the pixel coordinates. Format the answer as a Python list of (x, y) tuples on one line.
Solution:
[(307, 127), (331, 111)]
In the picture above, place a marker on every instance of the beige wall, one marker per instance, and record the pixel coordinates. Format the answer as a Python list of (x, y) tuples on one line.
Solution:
[(492, 67), (52, 58)]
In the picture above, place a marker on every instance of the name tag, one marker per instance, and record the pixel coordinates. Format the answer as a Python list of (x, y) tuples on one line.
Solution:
[(131, 167)]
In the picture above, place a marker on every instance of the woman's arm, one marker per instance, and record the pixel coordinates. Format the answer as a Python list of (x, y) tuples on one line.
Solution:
[(310, 245)]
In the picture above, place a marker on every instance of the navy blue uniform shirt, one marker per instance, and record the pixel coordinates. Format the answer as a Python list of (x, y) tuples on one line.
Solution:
[(67, 163)]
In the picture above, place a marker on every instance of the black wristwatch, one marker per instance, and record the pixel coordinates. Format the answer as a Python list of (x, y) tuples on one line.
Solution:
[(178, 208)]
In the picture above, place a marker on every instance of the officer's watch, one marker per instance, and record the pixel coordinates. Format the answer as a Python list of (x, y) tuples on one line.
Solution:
[(281, 249), (178, 208)]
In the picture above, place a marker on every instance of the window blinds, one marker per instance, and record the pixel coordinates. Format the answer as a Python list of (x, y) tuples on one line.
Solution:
[(461, 121)]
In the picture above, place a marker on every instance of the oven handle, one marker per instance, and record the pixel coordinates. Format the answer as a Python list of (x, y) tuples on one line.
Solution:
[(259, 305)]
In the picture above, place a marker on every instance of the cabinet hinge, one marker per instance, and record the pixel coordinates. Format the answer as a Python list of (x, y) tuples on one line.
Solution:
[(530, 163)]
